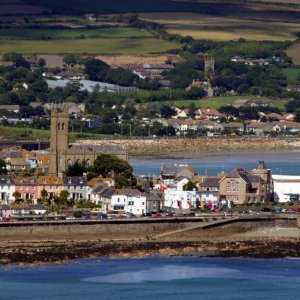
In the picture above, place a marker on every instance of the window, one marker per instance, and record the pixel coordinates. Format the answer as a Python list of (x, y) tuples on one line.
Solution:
[(232, 186)]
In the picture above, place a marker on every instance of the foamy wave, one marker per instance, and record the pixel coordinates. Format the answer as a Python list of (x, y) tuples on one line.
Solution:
[(162, 274)]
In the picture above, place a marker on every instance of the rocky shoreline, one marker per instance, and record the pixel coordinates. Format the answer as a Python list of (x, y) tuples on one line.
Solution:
[(62, 251), (161, 146)]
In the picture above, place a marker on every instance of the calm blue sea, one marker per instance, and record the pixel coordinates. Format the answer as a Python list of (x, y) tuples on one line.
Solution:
[(156, 278), (281, 163)]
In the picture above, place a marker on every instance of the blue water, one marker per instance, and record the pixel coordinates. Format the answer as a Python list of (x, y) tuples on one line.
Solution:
[(281, 163), (156, 278)]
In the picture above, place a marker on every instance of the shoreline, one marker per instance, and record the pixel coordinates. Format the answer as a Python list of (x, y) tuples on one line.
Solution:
[(156, 147), (37, 253), (210, 154)]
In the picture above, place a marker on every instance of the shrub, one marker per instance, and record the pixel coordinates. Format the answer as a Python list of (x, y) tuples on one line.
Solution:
[(78, 214)]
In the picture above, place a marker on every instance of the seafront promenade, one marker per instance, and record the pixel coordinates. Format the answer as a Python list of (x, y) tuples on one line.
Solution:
[(58, 241)]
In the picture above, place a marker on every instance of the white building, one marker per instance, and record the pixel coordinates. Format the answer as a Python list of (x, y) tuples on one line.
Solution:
[(129, 200), (286, 188), (180, 199), (7, 188)]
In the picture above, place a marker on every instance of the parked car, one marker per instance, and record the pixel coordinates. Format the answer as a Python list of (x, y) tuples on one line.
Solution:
[(265, 209), (130, 215), (147, 214), (102, 216)]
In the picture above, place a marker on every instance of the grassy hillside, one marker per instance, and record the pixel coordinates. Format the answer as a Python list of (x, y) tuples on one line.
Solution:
[(37, 34), (294, 53), (217, 102), (220, 28), (24, 133), (89, 46), (292, 74)]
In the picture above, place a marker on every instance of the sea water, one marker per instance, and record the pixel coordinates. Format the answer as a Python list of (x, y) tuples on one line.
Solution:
[(211, 163), (176, 278)]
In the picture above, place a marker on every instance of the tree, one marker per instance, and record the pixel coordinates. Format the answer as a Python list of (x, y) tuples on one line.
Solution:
[(166, 111), (3, 170), (17, 195), (70, 59), (39, 86), (195, 93), (189, 186), (121, 76), (108, 165), (41, 62), (77, 169), (297, 116), (63, 197), (96, 69), (44, 195), (229, 110)]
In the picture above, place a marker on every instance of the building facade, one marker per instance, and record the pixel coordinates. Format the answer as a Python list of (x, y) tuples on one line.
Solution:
[(241, 186)]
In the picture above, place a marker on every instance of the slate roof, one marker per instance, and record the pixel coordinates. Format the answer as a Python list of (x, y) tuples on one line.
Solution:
[(128, 192), (104, 191), (261, 165), (210, 182), (246, 176), (75, 180), (175, 168), (6, 179), (95, 148)]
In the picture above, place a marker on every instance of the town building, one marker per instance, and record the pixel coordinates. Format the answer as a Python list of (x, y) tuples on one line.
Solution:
[(28, 188), (50, 183), (76, 187), (286, 188), (7, 189), (208, 192), (129, 201), (240, 186)]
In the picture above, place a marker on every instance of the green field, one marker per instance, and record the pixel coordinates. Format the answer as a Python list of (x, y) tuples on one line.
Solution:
[(217, 102), (89, 46), (292, 74), (38, 34), (294, 53), (201, 26), (23, 133)]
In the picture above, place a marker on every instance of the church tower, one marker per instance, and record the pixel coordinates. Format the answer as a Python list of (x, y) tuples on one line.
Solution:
[(59, 140), (209, 65)]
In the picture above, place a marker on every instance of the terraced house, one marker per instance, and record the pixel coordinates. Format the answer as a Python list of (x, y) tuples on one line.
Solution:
[(7, 189), (76, 186), (27, 187), (52, 184)]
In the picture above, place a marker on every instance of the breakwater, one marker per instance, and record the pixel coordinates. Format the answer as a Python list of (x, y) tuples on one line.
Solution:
[(127, 229)]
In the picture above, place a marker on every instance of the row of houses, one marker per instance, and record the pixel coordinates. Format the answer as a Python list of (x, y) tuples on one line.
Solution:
[(237, 187), (170, 191), (214, 114), (213, 127), (99, 190)]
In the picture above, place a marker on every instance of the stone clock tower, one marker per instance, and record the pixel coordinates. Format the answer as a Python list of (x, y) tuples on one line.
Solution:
[(59, 140)]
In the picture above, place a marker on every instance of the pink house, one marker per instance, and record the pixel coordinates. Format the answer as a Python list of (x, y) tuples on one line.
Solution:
[(28, 188)]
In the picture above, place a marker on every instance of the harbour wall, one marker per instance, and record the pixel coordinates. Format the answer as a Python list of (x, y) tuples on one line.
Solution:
[(135, 230)]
